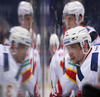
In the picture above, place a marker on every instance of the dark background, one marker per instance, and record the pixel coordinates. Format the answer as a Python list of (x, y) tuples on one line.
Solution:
[(8, 9)]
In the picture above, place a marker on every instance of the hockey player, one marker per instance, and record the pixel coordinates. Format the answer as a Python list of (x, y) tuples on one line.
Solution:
[(11, 60), (28, 80), (25, 13), (73, 13), (56, 64), (77, 41), (36, 67)]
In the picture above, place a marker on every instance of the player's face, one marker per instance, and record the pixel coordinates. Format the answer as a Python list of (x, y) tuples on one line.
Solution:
[(22, 50), (70, 21), (75, 53), (27, 22)]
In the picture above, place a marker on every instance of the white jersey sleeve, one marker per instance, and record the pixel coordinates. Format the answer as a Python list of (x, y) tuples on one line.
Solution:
[(8, 82), (68, 81), (52, 71), (90, 68), (36, 66), (28, 79), (56, 67)]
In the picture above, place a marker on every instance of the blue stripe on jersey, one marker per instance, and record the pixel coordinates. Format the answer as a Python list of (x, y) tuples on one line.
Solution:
[(6, 63), (79, 73), (18, 73), (94, 62)]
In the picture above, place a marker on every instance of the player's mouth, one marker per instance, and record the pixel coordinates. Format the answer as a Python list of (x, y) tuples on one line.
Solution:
[(72, 58)]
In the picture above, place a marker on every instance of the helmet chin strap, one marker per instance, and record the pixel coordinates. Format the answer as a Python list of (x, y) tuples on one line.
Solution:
[(78, 23), (15, 48), (54, 50), (84, 51), (15, 51), (22, 22)]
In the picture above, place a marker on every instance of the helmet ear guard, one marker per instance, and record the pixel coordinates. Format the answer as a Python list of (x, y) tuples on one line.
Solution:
[(84, 45), (13, 45), (24, 8)]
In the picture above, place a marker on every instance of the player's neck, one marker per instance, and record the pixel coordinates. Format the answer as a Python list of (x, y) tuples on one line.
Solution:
[(83, 58)]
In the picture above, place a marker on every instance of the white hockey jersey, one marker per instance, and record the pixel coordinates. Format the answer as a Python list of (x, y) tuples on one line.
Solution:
[(56, 67), (9, 81), (86, 74), (68, 80), (36, 66), (28, 79), (70, 71), (90, 68)]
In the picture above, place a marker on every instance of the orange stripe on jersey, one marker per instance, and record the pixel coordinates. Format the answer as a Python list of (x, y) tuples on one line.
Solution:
[(71, 74), (26, 75), (61, 64)]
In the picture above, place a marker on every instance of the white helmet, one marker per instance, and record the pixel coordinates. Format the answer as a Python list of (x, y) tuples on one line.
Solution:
[(54, 40), (25, 8), (20, 35), (76, 8), (78, 34), (38, 40)]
